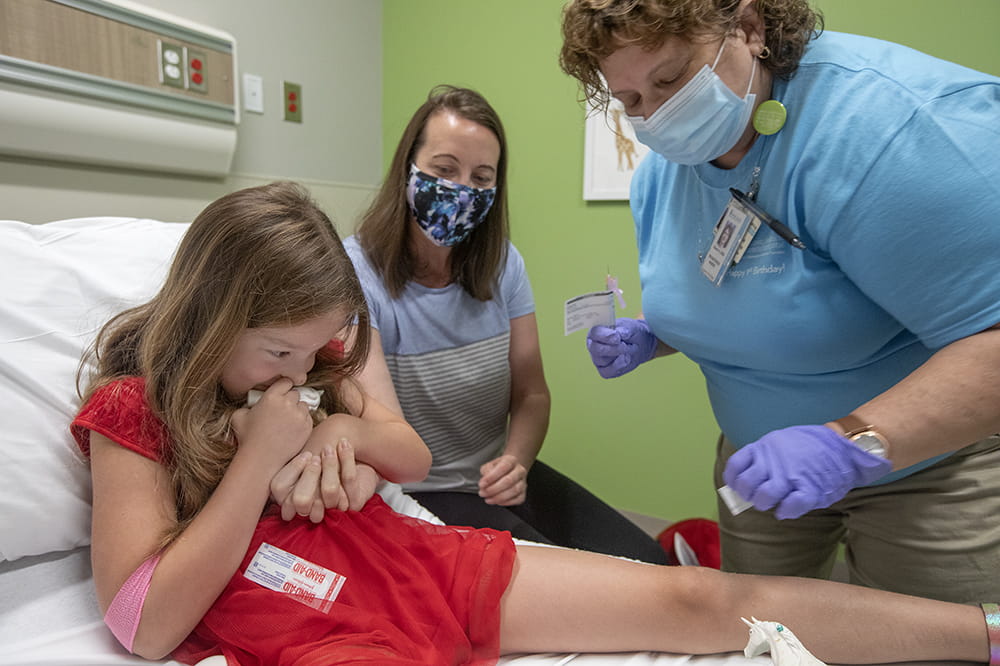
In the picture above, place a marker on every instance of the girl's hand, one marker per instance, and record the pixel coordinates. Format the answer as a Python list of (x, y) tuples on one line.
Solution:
[(276, 428), (296, 488), (357, 480), (310, 484)]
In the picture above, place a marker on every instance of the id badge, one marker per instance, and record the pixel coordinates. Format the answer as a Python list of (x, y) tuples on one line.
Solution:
[(732, 235)]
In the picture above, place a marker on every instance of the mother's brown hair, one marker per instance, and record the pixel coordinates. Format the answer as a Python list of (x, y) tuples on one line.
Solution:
[(384, 228)]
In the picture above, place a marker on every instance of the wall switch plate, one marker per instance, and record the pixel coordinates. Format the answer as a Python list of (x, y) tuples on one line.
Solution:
[(253, 93), (292, 99)]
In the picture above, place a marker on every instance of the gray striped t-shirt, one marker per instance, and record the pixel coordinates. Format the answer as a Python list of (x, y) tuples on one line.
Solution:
[(448, 356)]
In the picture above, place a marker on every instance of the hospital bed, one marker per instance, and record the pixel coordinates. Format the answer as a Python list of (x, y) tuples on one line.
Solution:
[(58, 283)]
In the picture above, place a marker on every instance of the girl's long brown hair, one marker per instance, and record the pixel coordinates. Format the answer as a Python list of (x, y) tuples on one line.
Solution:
[(476, 261), (263, 256)]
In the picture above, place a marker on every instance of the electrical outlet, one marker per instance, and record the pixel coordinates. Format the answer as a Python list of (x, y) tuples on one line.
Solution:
[(197, 67), (292, 99), (171, 63)]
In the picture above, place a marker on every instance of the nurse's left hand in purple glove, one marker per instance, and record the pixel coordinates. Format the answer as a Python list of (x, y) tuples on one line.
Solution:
[(799, 469)]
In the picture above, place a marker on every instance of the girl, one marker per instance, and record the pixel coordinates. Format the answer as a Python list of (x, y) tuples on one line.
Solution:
[(190, 558)]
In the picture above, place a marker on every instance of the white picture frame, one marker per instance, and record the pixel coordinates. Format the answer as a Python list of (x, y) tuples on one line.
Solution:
[(611, 154)]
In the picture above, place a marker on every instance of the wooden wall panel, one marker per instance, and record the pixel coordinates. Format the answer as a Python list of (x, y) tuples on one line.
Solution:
[(50, 33)]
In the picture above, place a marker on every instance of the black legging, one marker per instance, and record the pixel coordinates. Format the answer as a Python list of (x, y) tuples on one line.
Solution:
[(557, 511)]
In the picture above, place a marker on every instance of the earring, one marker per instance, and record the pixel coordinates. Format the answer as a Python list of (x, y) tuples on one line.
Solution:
[(765, 53)]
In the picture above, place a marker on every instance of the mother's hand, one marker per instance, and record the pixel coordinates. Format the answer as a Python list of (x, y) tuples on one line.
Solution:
[(503, 481)]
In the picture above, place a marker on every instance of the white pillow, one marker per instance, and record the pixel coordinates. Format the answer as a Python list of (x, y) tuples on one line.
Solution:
[(59, 282)]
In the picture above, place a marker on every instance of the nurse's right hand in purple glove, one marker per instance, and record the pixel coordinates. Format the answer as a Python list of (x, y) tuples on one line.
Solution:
[(618, 349)]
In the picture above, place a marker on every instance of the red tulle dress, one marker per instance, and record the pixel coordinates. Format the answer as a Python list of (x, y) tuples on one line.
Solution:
[(415, 593)]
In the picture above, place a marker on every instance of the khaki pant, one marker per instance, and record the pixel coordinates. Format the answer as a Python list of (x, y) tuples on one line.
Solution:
[(933, 534)]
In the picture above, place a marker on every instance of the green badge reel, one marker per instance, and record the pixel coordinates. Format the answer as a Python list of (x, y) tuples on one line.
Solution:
[(769, 117)]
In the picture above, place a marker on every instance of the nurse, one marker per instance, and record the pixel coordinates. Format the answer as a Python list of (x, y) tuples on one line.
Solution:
[(849, 339)]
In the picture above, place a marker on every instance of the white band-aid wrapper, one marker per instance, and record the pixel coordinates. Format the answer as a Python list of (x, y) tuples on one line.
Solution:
[(734, 502), (589, 310), (304, 581), (307, 394), (125, 610)]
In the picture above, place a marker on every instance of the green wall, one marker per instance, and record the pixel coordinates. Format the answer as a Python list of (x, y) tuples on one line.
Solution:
[(644, 442)]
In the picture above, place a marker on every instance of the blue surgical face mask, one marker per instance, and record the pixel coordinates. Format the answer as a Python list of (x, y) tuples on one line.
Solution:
[(700, 122), (446, 212)]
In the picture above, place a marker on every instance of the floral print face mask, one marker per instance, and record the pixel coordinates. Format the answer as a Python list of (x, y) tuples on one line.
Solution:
[(446, 212)]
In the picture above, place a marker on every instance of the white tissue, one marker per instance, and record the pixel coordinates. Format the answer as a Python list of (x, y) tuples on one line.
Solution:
[(307, 394), (776, 638)]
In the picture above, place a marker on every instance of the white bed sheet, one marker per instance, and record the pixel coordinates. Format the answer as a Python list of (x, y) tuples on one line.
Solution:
[(60, 281), (81, 271), (49, 617)]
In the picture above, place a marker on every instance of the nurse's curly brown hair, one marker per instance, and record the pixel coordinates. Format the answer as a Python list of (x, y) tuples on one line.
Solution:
[(593, 29)]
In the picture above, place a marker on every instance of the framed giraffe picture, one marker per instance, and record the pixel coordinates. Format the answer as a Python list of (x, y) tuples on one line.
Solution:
[(611, 154)]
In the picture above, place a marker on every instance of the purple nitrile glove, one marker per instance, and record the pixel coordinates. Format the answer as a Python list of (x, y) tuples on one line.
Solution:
[(799, 469), (618, 349)]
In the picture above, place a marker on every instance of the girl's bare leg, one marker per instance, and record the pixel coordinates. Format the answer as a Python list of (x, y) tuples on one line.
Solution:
[(571, 601)]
